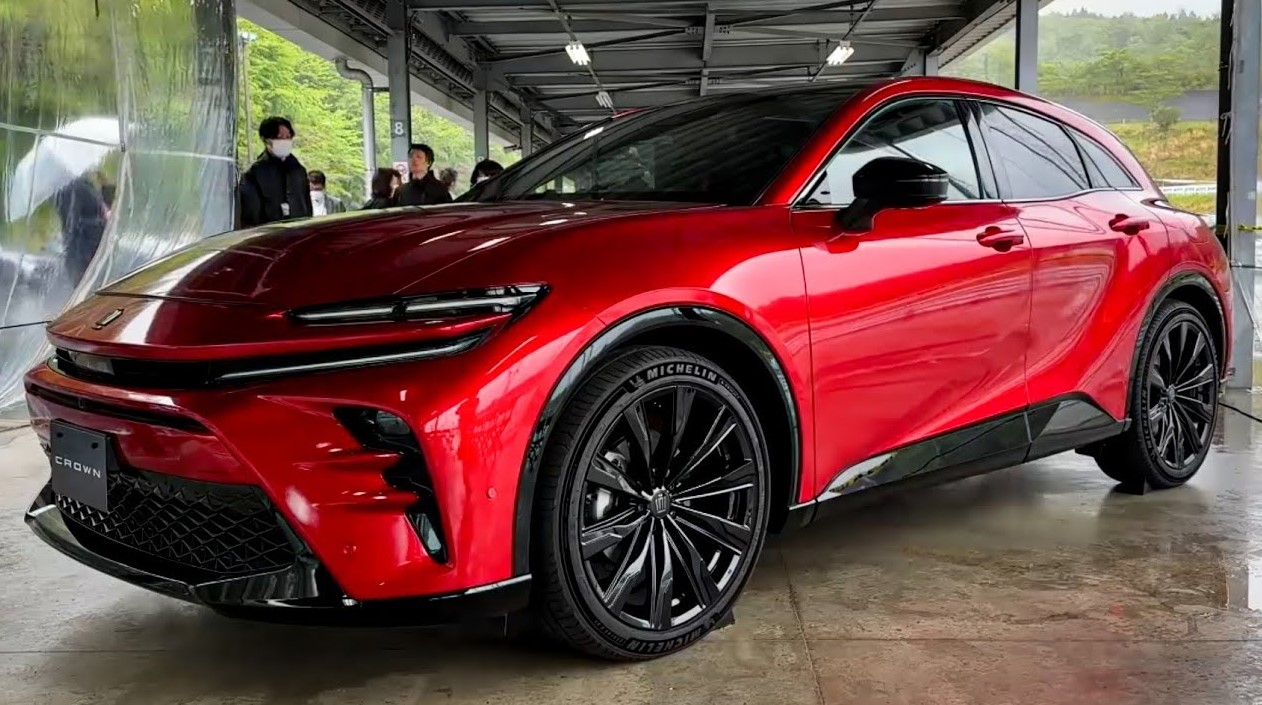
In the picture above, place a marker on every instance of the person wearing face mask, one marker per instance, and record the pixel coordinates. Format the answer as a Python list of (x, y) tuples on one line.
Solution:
[(423, 188), (484, 170), (321, 202), (275, 187)]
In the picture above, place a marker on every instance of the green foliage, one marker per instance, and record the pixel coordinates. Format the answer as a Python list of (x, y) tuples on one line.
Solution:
[(326, 110), (1165, 117), (1145, 60)]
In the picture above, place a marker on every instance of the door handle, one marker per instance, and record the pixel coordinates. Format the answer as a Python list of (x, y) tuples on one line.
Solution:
[(1130, 225), (1000, 239)]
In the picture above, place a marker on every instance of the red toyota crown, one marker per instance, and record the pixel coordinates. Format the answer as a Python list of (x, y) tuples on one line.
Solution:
[(596, 384)]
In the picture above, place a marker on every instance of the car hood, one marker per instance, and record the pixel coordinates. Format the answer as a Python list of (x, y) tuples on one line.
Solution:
[(353, 256)]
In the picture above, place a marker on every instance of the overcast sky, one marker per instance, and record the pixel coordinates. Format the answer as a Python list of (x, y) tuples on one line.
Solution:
[(1137, 7)]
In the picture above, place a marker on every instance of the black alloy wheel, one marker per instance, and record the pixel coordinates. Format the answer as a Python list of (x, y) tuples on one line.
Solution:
[(1173, 404), (661, 507), (1181, 393), (668, 506)]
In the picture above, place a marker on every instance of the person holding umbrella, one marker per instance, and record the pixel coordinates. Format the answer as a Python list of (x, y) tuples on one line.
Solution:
[(275, 187), (60, 168)]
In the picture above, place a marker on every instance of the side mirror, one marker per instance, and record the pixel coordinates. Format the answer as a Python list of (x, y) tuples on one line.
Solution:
[(892, 182)]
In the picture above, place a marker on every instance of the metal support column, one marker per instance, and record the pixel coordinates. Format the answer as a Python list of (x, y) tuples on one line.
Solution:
[(930, 67), (527, 140), (1238, 164), (369, 115), (1027, 78), (398, 51), (481, 119)]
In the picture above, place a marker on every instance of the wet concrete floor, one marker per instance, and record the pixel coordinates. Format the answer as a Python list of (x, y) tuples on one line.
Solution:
[(1033, 585)]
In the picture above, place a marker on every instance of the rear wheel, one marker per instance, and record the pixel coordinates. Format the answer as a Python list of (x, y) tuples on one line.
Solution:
[(653, 504), (1174, 402)]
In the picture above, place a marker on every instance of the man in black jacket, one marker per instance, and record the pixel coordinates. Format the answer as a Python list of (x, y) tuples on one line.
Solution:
[(275, 187), (423, 189)]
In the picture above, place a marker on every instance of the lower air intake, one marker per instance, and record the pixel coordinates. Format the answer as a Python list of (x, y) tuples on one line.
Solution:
[(211, 530)]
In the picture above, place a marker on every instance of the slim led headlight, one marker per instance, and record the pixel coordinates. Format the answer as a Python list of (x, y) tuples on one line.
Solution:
[(458, 304)]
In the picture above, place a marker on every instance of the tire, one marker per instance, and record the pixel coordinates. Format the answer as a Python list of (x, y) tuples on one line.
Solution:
[(643, 539), (1171, 429)]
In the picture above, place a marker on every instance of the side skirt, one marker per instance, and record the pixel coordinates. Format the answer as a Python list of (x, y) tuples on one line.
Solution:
[(1035, 432)]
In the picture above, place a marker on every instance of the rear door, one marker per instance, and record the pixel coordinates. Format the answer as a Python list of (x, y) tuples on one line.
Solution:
[(919, 327), (1097, 250)]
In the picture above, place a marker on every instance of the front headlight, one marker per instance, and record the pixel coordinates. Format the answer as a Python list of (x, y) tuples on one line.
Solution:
[(491, 301)]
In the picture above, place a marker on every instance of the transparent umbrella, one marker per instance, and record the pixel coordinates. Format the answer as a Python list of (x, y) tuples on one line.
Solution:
[(56, 160)]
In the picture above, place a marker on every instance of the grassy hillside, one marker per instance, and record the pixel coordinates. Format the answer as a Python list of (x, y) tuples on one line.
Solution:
[(1187, 151)]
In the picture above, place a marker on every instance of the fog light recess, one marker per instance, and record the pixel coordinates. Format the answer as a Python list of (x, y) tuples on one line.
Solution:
[(377, 429)]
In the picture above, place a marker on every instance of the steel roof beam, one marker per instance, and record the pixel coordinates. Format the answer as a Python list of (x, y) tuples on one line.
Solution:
[(722, 57), (628, 23)]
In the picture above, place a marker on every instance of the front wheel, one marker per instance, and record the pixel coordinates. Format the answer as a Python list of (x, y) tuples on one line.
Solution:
[(1174, 403), (652, 506)]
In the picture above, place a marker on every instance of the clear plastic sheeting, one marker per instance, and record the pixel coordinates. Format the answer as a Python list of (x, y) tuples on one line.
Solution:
[(117, 124)]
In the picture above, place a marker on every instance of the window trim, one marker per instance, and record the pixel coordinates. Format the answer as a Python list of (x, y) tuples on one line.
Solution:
[(970, 121), (1082, 139), (1005, 188)]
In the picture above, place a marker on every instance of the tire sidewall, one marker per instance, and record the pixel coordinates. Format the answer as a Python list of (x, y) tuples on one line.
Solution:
[(642, 380)]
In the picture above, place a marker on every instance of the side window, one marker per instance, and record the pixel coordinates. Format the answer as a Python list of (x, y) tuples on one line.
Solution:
[(1104, 169), (1040, 159), (929, 130)]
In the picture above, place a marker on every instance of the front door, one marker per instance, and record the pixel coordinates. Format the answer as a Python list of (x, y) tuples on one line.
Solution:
[(919, 327)]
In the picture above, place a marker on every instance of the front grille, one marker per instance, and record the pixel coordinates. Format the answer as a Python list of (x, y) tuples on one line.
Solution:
[(210, 530)]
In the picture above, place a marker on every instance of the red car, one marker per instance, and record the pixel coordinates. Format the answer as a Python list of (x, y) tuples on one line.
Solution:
[(597, 383)]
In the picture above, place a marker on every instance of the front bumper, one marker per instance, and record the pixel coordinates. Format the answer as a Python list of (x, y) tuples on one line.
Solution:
[(302, 592)]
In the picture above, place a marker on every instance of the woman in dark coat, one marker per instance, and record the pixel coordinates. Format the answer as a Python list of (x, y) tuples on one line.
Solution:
[(385, 189)]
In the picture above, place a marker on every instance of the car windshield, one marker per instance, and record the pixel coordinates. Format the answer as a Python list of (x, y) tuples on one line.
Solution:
[(725, 150)]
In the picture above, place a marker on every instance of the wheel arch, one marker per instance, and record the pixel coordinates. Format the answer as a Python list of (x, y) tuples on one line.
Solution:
[(1194, 289), (717, 335)]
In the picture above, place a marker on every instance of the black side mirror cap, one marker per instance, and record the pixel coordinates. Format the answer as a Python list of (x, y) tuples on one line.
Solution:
[(892, 182)]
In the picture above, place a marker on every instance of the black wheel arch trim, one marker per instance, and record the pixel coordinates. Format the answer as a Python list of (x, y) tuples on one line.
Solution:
[(595, 352), (1177, 281)]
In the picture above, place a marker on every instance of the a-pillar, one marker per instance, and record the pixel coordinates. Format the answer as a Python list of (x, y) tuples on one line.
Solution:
[(481, 116), (1027, 78), (398, 52)]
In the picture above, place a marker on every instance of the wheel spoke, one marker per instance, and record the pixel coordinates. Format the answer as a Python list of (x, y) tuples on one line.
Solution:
[(607, 475), (1154, 377), (634, 415), (1156, 412), (1179, 438), (631, 573), (1195, 408), (1183, 350), (1198, 346), (740, 478), (611, 532), (1165, 350), (719, 431), (727, 534), (1167, 434), (693, 565), (1202, 378), (663, 584), (681, 411)]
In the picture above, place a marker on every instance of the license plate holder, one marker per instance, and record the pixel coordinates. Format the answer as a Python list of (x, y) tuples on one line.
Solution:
[(81, 461)]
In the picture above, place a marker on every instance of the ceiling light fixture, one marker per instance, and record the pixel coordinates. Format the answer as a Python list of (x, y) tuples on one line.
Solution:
[(578, 53), (605, 100), (841, 54)]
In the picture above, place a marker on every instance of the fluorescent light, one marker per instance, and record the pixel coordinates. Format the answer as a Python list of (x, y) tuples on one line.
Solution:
[(840, 55), (578, 53), (604, 100)]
